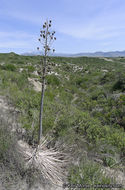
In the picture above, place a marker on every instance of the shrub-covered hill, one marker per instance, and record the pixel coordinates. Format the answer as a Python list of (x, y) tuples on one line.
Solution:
[(84, 109)]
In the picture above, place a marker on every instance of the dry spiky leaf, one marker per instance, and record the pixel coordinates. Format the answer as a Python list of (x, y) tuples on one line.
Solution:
[(48, 162)]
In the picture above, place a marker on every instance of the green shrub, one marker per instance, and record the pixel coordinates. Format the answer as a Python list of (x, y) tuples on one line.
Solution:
[(20, 62), (108, 161), (107, 77), (66, 67), (98, 94), (20, 80), (8, 67), (30, 68), (79, 81), (88, 173), (119, 85), (117, 138), (53, 80)]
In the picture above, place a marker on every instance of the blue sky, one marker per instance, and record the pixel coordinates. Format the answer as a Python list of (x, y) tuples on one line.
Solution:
[(80, 25)]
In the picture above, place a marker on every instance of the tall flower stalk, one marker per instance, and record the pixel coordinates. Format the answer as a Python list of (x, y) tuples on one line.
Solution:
[(47, 162), (46, 39)]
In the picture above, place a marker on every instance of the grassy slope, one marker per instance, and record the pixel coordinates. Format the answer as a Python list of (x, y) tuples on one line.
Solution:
[(84, 106)]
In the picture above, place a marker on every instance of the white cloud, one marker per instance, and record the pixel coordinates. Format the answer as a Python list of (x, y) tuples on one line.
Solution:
[(89, 32), (15, 34), (105, 44), (14, 44), (104, 26), (24, 16), (17, 39)]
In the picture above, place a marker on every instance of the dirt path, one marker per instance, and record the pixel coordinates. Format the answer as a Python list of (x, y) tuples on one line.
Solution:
[(8, 114), (107, 59)]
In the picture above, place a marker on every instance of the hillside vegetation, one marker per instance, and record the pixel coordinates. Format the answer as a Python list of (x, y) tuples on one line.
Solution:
[(84, 110)]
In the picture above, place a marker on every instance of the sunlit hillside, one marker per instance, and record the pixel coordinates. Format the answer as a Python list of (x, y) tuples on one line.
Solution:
[(84, 115)]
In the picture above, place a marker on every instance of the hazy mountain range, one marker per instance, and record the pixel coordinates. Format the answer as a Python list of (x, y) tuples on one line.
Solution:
[(95, 54)]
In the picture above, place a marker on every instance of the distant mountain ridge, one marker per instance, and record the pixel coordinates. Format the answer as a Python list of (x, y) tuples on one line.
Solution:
[(95, 54)]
